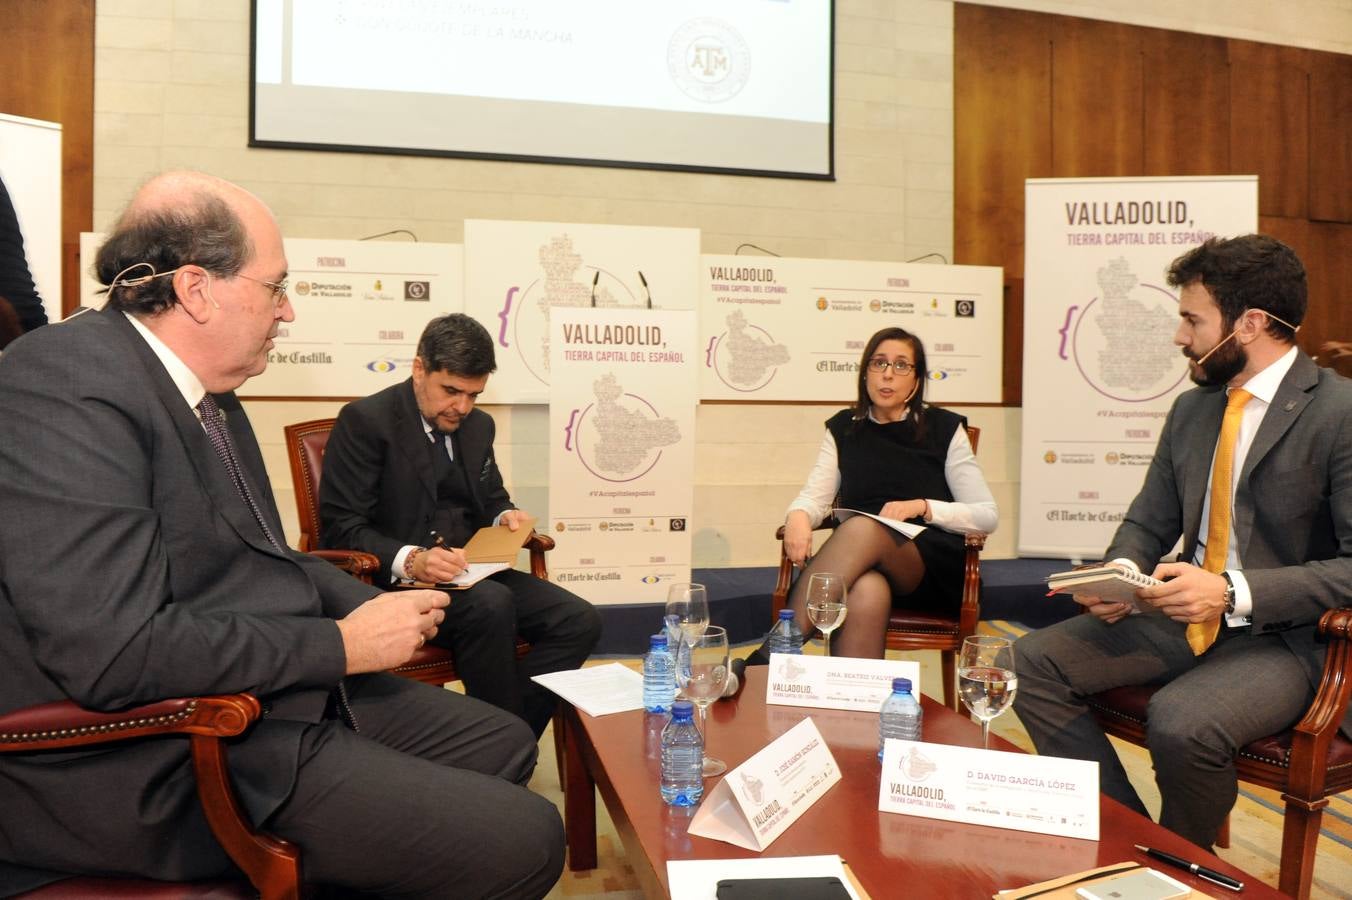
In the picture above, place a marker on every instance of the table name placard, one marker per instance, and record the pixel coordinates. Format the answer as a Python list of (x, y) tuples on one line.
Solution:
[(757, 801), (836, 682), (1046, 794)]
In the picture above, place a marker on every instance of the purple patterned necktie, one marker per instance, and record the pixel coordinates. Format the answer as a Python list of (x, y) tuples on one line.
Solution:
[(213, 421)]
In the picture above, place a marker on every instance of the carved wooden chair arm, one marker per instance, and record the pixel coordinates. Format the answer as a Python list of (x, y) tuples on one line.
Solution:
[(1330, 701), (1314, 734), (357, 563), (63, 724), (539, 544)]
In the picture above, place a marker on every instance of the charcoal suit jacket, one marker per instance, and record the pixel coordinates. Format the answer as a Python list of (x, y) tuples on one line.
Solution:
[(132, 570), (1292, 506)]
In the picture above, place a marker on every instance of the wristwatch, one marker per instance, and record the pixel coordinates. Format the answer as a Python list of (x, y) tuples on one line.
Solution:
[(1229, 594)]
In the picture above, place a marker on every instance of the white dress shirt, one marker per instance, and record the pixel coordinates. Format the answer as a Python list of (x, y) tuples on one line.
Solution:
[(972, 509)]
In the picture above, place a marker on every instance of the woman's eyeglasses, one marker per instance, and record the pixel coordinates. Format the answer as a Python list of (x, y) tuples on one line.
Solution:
[(900, 366)]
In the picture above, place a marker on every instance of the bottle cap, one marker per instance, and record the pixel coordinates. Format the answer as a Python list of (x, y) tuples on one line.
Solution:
[(901, 685), (657, 640), (785, 614), (682, 709)]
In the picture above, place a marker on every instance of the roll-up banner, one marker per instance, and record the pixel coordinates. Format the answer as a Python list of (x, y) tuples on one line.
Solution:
[(622, 451), (793, 329), (518, 273), (1100, 368), (359, 307)]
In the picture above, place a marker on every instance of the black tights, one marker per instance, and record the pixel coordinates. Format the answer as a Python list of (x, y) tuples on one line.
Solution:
[(876, 563)]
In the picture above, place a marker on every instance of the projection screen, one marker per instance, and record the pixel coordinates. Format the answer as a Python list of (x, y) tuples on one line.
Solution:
[(740, 86)]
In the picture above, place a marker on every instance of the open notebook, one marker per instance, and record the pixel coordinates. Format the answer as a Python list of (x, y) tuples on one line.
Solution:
[(492, 549)]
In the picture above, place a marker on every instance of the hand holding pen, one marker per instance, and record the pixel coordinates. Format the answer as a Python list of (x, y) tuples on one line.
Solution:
[(441, 562)]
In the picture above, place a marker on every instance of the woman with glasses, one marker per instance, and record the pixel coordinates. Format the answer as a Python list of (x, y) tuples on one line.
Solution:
[(893, 455)]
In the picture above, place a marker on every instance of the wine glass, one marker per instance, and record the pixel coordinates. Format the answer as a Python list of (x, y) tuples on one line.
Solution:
[(689, 603), (986, 678), (703, 674), (826, 603)]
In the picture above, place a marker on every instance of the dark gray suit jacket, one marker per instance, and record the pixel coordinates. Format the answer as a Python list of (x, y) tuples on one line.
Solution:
[(379, 491), (131, 570), (1292, 508)]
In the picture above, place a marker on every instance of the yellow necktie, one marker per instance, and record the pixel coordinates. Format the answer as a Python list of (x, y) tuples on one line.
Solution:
[(1202, 635)]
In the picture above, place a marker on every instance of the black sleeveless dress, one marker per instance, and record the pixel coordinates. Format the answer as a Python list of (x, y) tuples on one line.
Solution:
[(881, 462)]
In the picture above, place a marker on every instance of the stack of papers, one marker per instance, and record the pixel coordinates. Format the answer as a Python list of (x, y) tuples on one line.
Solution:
[(597, 690)]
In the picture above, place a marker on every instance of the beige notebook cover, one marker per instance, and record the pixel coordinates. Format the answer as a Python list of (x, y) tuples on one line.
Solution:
[(498, 543)]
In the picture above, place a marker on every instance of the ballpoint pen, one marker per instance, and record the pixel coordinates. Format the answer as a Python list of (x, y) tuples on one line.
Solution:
[(1200, 871)]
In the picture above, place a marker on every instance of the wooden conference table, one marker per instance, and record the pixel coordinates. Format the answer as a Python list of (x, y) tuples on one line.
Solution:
[(892, 855)]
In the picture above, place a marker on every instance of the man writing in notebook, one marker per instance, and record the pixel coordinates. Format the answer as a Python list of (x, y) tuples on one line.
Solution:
[(1253, 471), (409, 475)]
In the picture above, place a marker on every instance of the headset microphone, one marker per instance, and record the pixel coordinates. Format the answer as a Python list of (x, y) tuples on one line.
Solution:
[(1207, 354)]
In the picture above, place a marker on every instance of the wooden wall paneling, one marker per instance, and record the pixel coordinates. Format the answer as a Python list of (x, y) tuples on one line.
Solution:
[(1330, 274), (1331, 137), (1002, 135), (49, 74), (1326, 250), (1186, 108), (1001, 129), (1269, 124), (1097, 98)]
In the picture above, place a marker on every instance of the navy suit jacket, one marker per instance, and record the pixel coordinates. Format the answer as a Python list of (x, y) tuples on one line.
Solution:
[(378, 491)]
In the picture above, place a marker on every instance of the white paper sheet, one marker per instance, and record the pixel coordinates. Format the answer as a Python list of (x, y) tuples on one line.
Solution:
[(697, 879), (597, 690)]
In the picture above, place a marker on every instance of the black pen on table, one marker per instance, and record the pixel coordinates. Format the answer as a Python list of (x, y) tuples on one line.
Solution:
[(1200, 871)]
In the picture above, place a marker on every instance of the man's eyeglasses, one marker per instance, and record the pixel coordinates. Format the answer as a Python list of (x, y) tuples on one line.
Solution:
[(278, 287), (900, 366)]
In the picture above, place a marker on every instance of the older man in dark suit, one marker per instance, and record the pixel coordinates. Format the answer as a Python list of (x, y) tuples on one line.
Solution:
[(414, 463), (141, 557), (1254, 472)]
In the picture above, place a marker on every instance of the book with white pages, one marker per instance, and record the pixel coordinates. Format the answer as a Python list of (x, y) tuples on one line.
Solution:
[(896, 525), (1116, 584)]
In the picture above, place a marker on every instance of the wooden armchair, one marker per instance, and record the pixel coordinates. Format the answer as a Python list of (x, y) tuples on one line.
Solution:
[(1308, 763), (305, 443), (909, 629), (271, 864)]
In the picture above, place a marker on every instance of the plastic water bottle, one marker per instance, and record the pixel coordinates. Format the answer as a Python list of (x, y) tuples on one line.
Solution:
[(900, 716), (785, 637), (682, 757), (659, 676)]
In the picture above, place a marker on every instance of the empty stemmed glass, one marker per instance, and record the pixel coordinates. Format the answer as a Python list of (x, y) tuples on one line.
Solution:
[(689, 604), (986, 679), (702, 674), (826, 603)]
